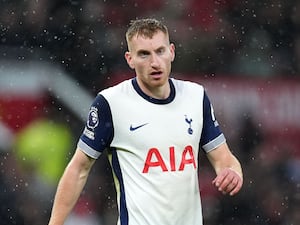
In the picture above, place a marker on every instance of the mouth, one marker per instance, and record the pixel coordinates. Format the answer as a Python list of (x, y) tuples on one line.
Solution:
[(156, 74)]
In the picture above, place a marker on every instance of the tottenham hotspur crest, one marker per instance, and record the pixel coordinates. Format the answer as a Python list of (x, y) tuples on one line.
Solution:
[(189, 122)]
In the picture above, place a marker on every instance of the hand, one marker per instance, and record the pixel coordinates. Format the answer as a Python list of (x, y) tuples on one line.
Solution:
[(228, 181)]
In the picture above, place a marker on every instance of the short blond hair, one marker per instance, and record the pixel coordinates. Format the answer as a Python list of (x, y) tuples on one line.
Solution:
[(145, 27)]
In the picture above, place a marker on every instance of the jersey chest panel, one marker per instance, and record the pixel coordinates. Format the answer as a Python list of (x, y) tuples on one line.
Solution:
[(140, 125)]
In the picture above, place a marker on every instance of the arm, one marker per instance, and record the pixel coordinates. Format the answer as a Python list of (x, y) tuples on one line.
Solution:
[(70, 187), (229, 177)]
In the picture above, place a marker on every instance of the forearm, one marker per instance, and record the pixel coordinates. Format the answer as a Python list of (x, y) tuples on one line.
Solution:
[(222, 158), (236, 166), (231, 163), (68, 191), (229, 177)]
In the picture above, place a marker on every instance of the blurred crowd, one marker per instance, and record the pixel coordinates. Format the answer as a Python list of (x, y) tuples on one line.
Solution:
[(259, 38), (254, 38)]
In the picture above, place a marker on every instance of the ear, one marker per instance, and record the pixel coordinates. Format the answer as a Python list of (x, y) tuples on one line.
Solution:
[(172, 50), (129, 59)]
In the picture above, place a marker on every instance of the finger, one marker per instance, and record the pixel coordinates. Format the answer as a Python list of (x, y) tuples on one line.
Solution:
[(219, 179), (235, 185), (226, 183), (237, 188), (232, 185)]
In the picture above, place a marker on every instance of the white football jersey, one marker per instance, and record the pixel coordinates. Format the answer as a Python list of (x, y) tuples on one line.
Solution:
[(153, 147)]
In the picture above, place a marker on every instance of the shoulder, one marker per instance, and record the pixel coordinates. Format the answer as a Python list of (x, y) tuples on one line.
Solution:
[(187, 86), (120, 88)]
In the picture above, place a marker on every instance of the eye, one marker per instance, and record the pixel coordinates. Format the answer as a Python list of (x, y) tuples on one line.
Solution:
[(143, 54), (160, 51)]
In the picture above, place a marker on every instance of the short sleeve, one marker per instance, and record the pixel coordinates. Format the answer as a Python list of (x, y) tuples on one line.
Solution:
[(98, 132), (212, 135)]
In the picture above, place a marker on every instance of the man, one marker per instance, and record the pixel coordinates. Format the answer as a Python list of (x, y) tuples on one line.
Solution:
[(152, 126)]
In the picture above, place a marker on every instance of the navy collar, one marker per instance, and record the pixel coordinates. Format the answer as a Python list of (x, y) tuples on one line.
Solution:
[(151, 99)]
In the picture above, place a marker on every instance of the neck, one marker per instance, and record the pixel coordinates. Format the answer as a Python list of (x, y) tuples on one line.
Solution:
[(157, 92)]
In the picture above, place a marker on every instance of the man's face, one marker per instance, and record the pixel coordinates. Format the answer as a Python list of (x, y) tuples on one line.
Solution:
[(151, 58)]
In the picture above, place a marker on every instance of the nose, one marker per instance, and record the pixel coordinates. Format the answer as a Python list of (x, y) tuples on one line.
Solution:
[(154, 61)]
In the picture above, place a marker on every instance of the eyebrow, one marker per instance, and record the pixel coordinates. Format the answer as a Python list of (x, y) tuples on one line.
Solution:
[(144, 51)]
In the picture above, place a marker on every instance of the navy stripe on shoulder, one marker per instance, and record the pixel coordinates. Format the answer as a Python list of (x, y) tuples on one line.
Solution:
[(211, 135), (98, 132)]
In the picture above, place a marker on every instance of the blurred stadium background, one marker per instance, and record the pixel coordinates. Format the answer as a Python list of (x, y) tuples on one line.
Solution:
[(56, 55)]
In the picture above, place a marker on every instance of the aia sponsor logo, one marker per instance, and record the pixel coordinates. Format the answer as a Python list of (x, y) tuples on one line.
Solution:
[(154, 159)]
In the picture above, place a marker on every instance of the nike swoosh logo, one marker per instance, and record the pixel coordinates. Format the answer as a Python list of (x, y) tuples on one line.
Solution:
[(137, 127)]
